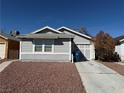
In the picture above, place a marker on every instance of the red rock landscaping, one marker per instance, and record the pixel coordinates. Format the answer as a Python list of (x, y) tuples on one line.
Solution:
[(117, 67), (40, 77)]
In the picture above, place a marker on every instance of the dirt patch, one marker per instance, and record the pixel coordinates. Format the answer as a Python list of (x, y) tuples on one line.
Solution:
[(117, 67), (40, 77)]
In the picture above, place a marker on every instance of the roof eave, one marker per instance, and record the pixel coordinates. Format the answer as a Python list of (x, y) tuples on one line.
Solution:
[(46, 27), (4, 37), (121, 40), (63, 27)]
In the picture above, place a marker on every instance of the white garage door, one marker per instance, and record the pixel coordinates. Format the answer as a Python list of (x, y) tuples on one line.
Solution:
[(85, 49), (2, 51)]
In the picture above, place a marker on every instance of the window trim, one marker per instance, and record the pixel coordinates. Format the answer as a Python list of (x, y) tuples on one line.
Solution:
[(38, 45), (43, 47)]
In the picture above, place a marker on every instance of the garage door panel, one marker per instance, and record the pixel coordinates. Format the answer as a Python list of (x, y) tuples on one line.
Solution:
[(87, 53), (85, 49), (2, 51)]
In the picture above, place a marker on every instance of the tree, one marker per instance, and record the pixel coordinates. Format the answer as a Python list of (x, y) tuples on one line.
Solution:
[(104, 45), (84, 30), (14, 33)]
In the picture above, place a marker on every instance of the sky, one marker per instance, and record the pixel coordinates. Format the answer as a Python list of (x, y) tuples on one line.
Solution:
[(29, 15)]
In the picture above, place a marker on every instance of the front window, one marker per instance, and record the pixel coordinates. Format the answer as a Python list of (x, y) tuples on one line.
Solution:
[(44, 46), (38, 48), (48, 48)]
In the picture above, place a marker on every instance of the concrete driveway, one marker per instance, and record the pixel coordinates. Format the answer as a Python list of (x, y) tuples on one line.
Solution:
[(98, 78)]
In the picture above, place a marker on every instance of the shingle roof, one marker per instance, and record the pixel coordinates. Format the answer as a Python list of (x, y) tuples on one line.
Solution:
[(76, 32), (119, 38), (46, 36), (8, 36)]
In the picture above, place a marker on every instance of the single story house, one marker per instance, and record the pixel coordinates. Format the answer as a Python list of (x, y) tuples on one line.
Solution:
[(120, 47), (9, 46), (49, 44)]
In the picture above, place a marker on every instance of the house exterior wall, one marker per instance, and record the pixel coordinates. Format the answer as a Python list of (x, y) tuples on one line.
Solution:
[(27, 46), (46, 57), (120, 50), (4, 41), (11, 48), (61, 50), (61, 45), (92, 51), (79, 40)]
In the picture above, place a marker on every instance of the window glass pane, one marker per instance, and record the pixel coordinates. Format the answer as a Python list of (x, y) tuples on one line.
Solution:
[(38, 48), (48, 48)]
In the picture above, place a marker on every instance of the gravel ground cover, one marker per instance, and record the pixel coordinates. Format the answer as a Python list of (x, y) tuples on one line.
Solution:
[(117, 67), (40, 77)]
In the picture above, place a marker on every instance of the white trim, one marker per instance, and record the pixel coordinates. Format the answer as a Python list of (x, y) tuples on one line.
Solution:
[(3, 45), (46, 27), (43, 47), (74, 32), (44, 53), (3, 37), (53, 46), (121, 40), (91, 51), (20, 50), (72, 60), (33, 43), (70, 49)]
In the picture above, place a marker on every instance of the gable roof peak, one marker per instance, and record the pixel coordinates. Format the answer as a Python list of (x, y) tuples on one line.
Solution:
[(7, 36), (73, 31), (46, 27)]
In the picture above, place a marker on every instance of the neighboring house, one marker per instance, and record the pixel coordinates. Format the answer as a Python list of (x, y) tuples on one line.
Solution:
[(49, 44), (120, 47), (9, 47)]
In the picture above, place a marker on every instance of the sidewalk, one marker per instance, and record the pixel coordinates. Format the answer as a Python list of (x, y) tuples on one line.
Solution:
[(4, 65), (98, 78)]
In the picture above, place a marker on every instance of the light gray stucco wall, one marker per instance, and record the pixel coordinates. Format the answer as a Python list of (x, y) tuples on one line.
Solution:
[(90, 53), (78, 39), (61, 45), (61, 50), (26, 46), (48, 57)]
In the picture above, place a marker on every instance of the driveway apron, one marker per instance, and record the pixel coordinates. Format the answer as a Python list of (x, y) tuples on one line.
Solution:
[(98, 78)]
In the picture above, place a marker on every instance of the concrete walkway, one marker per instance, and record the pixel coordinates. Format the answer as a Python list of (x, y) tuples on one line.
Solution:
[(4, 65), (98, 78)]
